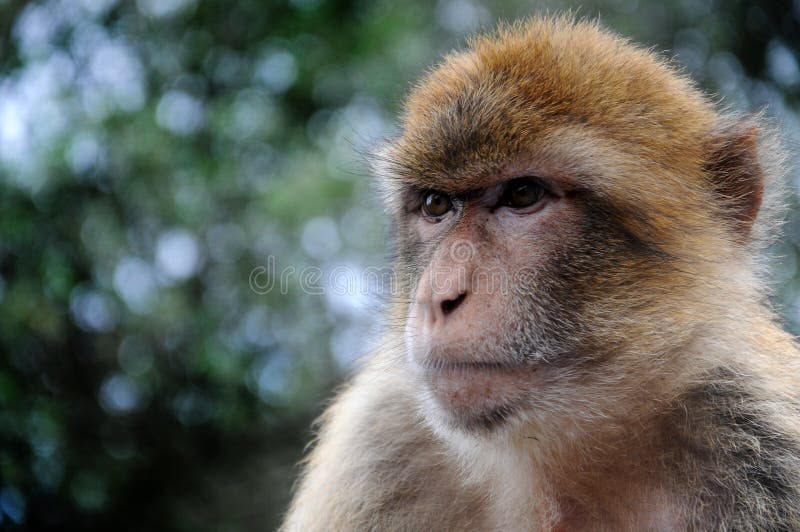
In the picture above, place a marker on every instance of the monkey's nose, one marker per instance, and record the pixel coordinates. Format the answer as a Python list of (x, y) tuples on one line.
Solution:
[(450, 305)]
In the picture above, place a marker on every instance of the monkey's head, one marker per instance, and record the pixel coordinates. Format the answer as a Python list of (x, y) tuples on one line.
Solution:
[(564, 205)]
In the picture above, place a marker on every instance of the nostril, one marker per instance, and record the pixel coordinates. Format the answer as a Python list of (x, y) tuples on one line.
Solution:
[(451, 304)]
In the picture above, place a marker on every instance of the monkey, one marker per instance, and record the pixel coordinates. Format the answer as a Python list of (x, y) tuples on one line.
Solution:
[(581, 336)]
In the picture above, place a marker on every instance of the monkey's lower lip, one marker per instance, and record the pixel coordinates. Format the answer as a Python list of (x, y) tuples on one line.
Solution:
[(457, 374), (436, 367), (470, 391)]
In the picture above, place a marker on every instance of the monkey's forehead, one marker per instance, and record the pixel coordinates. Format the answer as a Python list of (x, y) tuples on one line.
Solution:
[(513, 88)]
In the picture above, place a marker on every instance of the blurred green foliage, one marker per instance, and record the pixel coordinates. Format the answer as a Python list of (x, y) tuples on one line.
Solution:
[(154, 154)]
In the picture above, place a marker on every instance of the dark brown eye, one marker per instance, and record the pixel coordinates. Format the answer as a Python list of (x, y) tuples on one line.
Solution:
[(435, 204), (523, 193)]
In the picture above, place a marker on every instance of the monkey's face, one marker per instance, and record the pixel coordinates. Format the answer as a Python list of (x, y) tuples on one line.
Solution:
[(526, 293), (493, 315), (533, 273)]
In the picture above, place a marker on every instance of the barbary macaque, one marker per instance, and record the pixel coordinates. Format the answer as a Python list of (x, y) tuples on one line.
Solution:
[(583, 338)]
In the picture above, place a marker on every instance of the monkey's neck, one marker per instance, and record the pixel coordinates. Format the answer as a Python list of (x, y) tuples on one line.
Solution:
[(599, 483), (599, 477)]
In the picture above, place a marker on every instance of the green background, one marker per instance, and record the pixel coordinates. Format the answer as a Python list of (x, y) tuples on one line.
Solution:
[(154, 154)]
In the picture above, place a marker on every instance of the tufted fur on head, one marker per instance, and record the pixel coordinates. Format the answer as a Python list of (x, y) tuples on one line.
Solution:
[(558, 84)]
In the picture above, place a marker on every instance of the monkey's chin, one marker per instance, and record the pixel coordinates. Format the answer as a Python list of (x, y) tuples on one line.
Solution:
[(476, 396)]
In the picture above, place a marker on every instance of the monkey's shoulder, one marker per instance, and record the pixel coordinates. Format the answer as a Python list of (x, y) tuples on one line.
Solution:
[(740, 453)]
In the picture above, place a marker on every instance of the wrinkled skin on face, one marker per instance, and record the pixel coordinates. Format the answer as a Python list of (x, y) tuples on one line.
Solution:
[(497, 314), (510, 302)]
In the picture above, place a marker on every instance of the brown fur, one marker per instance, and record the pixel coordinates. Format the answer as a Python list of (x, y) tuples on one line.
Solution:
[(673, 401)]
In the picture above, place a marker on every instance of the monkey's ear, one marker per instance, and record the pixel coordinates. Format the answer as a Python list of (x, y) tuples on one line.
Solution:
[(735, 173)]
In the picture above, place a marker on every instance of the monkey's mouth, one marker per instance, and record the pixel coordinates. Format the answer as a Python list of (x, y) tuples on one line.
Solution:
[(470, 391), (456, 362), (437, 366)]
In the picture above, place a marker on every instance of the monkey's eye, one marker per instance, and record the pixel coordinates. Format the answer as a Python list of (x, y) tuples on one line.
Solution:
[(436, 204), (522, 192)]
